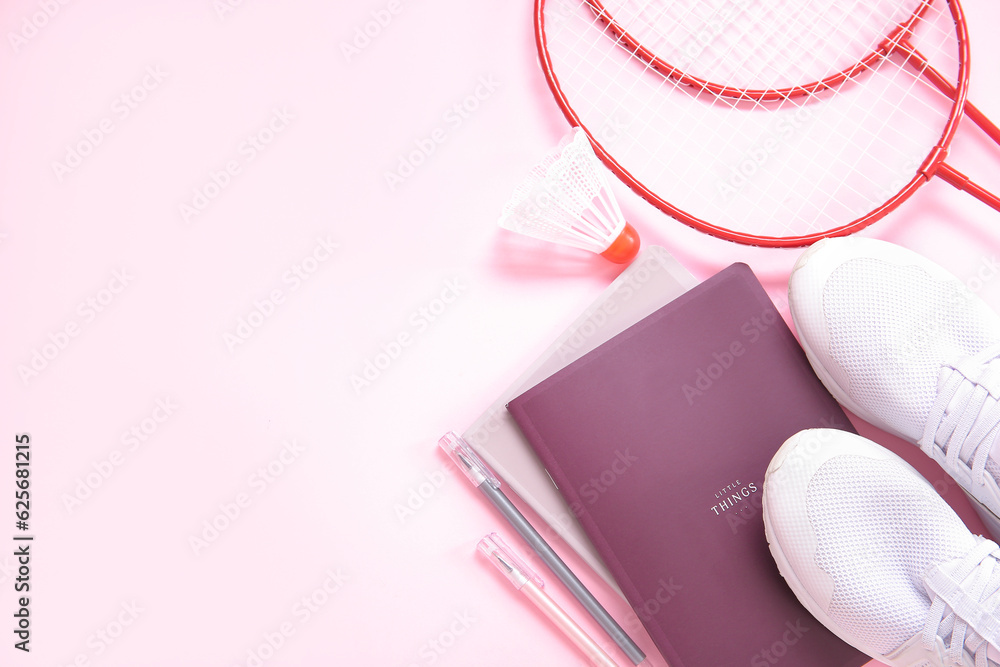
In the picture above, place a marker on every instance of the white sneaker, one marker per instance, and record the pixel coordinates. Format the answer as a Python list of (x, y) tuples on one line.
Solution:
[(876, 555), (905, 345)]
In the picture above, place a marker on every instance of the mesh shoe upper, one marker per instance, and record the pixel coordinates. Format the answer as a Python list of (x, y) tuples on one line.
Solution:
[(892, 327), (907, 346), (871, 550), (878, 532)]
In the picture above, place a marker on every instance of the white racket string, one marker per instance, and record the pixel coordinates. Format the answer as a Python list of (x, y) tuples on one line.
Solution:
[(759, 44), (782, 167)]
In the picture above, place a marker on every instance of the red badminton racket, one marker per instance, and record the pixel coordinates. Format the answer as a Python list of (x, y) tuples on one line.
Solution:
[(689, 30), (760, 121)]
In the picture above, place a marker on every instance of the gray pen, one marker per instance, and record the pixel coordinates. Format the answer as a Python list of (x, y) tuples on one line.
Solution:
[(483, 478)]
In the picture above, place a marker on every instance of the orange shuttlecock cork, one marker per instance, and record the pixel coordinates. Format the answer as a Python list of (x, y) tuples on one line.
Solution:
[(566, 199)]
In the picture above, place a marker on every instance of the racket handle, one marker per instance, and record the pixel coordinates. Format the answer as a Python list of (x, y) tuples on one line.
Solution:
[(962, 182), (984, 123), (917, 60), (974, 114)]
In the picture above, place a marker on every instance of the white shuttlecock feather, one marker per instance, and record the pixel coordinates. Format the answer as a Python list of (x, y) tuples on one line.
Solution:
[(566, 199)]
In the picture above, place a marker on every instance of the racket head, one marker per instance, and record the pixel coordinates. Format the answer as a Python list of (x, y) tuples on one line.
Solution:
[(722, 164), (759, 49)]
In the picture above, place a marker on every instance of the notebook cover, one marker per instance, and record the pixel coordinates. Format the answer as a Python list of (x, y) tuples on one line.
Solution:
[(659, 440), (652, 280)]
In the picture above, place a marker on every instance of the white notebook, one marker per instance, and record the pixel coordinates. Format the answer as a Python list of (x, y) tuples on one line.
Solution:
[(652, 280)]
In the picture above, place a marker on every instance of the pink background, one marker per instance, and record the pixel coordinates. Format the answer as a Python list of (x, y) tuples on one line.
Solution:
[(359, 515)]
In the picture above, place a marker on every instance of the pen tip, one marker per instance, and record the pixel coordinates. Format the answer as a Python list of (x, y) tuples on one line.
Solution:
[(503, 561)]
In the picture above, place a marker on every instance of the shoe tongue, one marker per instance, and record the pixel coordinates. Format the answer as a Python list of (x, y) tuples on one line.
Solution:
[(949, 568)]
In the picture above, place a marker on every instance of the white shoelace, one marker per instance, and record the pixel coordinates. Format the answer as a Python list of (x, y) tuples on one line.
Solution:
[(964, 605), (965, 415)]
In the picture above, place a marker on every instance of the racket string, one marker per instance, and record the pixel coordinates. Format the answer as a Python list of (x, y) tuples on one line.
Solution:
[(721, 164), (811, 36)]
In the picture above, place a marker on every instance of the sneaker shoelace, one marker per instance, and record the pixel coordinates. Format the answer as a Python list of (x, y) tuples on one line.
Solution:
[(965, 416), (964, 605)]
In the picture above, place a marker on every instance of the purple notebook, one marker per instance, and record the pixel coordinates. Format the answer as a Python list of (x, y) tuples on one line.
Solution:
[(659, 440)]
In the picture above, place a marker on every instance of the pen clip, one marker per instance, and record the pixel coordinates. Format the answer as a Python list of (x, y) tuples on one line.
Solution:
[(507, 561), (468, 461)]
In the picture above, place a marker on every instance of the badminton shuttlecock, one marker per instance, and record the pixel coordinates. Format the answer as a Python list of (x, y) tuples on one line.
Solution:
[(566, 199)]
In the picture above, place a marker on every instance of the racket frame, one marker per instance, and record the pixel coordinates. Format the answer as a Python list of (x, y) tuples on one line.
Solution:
[(928, 168)]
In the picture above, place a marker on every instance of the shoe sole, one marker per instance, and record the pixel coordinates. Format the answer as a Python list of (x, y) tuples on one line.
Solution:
[(989, 519)]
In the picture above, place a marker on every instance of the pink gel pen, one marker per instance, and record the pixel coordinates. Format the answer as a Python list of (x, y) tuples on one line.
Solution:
[(531, 585)]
